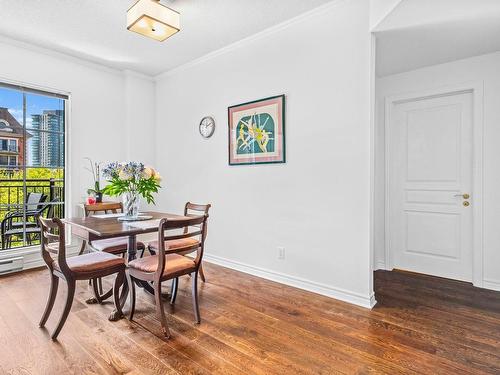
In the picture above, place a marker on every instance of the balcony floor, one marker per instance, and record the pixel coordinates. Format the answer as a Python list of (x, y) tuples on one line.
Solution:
[(249, 325)]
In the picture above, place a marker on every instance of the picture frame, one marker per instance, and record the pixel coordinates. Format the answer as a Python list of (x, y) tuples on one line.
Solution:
[(256, 132)]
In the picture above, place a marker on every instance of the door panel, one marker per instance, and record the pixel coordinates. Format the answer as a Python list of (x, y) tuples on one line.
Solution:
[(429, 167)]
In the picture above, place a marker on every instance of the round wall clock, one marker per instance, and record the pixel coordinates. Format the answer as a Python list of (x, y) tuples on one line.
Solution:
[(207, 127)]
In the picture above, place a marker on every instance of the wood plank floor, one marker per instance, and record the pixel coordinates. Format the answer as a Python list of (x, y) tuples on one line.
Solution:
[(249, 325)]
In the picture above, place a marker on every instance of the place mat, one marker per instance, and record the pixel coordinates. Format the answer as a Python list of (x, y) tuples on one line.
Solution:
[(148, 224), (106, 216), (137, 218)]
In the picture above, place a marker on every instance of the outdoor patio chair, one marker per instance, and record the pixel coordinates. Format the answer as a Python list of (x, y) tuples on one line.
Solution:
[(15, 223)]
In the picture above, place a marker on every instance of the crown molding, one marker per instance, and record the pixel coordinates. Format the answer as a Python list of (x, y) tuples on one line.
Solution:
[(73, 59), (134, 74), (260, 35)]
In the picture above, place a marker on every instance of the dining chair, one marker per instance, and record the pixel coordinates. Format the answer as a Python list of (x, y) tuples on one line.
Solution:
[(116, 246), (81, 267), (169, 263), (190, 209), (112, 245)]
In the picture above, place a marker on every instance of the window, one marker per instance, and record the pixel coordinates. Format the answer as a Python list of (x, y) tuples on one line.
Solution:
[(32, 155), (8, 144), (6, 160), (13, 145)]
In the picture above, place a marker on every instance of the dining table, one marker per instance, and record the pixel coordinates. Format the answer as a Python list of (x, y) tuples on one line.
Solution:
[(105, 226)]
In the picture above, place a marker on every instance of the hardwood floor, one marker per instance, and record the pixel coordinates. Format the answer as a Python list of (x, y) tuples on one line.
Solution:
[(421, 324)]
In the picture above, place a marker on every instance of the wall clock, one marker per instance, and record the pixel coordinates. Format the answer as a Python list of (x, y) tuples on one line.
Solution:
[(207, 126)]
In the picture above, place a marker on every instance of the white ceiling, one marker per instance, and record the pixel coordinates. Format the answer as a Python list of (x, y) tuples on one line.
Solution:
[(421, 33), (96, 29)]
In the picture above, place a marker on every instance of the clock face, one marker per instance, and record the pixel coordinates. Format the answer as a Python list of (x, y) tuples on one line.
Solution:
[(207, 127)]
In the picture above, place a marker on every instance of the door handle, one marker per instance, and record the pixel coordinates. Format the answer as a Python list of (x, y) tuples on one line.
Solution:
[(464, 196)]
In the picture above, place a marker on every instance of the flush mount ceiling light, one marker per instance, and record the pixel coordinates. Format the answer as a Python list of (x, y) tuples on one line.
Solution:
[(152, 19)]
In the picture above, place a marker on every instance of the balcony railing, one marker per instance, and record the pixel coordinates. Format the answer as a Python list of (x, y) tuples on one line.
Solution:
[(12, 201)]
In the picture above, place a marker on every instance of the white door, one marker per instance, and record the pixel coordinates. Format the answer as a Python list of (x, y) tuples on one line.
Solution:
[(429, 183)]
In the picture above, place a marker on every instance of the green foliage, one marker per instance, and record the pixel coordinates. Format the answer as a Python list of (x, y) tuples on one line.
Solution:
[(144, 186)]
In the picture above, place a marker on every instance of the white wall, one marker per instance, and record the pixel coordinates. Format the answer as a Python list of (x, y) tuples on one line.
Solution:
[(317, 205), (140, 117), (380, 9), (478, 69), (102, 107)]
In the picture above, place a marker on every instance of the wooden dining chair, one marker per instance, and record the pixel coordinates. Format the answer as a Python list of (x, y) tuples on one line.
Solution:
[(190, 209), (111, 245), (81, 267), (116, 246), (169, 263)]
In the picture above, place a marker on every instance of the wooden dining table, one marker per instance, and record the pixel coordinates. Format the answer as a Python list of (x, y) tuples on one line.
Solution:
[(100, 227)]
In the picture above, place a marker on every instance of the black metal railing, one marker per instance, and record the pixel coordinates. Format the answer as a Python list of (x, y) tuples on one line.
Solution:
[(12, 200)]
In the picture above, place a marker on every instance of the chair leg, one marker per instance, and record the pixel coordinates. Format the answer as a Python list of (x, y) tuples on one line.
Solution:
[(159, 309), (196, 308), (175, 286), (116, 293), (131, 287), (202, 274), (54, 284), (99, 283), (67, 308), (95, 287), (82, 249)]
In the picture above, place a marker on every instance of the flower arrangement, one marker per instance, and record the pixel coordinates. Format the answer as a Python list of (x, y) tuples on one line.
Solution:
[(131, 179)]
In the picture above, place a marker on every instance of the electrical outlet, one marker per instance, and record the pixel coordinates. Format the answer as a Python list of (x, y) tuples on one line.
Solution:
[(281, 253)]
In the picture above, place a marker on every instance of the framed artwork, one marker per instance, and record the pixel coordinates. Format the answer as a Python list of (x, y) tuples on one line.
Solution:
[(257, 131)]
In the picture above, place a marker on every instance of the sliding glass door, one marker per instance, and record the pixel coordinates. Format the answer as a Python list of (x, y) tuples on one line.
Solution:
[(32, 158)]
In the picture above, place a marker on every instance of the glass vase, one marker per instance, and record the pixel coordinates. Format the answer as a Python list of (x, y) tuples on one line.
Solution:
[(131, 204)]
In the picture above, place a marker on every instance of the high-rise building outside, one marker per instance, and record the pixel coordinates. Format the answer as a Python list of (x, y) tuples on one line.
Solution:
[(47, 148)]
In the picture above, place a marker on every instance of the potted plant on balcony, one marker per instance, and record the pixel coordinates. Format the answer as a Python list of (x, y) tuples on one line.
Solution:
[(131, 180)]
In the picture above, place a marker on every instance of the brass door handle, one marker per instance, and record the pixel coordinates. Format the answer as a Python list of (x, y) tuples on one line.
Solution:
[(464, 196)]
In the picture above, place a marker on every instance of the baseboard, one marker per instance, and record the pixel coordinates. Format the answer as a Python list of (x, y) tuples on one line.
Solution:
[(311, 286), (32, 256), (491, 284), (379, 265)]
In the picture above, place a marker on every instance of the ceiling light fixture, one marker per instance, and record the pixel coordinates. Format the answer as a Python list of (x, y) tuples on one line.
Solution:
[(152, 19)]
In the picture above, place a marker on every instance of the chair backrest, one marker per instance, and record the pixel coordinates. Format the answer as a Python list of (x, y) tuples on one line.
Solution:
[(194, 209), (107, 208), (53, 241), (196, 227), (49, 207), (33, 201)]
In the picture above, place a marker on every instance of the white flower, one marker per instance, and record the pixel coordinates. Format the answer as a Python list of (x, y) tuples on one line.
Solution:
[(148, 172), (123, 175), (157, 176)]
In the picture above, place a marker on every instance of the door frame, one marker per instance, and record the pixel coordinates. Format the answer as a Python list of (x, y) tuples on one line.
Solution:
[(476, 89)]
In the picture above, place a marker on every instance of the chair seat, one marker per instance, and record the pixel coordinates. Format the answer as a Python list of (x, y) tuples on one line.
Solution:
[(174, 264), (92, 262), (114, 245), (176, 244)]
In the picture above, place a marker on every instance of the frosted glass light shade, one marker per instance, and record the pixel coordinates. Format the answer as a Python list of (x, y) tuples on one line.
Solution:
[(152, 19)]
